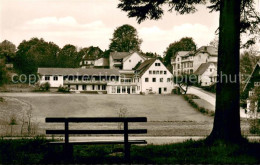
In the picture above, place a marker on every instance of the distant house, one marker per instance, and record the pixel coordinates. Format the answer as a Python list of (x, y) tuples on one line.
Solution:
[(254, 81), (87, 62), (101, 63), (154, 77), (207, 73), (187, 62), (125, 60)]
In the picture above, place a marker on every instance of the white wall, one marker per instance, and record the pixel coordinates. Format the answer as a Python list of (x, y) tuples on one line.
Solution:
[(52, 82), (130, 62), (146, 86), (199, 58), (204, 78)]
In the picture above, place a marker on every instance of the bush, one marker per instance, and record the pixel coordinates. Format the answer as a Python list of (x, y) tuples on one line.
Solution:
[(211, 88), (63, 89), (189, 98), (2, 99), (255, 126), (43, 87)]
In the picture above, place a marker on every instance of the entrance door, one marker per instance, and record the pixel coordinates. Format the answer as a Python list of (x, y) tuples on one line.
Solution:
[(160, 90), (128, 90)]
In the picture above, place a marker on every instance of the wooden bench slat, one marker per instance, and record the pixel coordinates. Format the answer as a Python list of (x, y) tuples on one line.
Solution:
[(102, 142), (130, 131), (96, 119)]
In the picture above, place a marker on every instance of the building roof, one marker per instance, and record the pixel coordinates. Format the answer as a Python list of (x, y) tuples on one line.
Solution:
[(203, 67), (119, 55), (77, 71), (183, 53), (145, 66), (211, 50), (257, 66)]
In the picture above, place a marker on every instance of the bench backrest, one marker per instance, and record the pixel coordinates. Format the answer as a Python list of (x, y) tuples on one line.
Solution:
[(124, 120)]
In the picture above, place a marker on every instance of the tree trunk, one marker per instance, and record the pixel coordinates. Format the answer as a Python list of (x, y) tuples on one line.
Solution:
[(227, 115)]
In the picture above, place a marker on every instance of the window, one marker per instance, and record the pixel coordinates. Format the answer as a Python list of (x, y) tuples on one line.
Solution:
[(165, 72), (178, 66), (77, 87), (70, 78), (123, 89), (154, 72), (191, 71), (210, 70), (256, 84), (154, 79), (55, 78), (47, 78), (168, 79), (161, 72), (93, 87), (165, 89), (113, 89), (161, 79), (84, 87), (98, 87), (118, 89), (103, 87), (251, 93), (150, 72), (146, 79), (157, 64), (129, 60), (157, 72)]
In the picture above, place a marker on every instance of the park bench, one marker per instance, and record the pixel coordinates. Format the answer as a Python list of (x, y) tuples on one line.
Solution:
[(68, 145)]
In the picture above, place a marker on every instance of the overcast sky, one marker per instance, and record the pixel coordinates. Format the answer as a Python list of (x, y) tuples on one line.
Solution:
[(85, 23)]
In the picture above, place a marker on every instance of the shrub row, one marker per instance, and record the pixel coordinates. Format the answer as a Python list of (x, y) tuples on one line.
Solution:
[(189, 98)]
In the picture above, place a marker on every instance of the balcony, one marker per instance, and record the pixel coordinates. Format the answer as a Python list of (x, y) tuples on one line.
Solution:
[(84, 82)]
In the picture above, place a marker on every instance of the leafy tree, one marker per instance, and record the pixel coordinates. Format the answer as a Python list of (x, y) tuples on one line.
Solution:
[(7, 51), (3, 74), (68, 57), (236, 16), (247, 63), (184, 81), (35, 53), (214, 42), (125, 39), (184, 44), (150, 54)]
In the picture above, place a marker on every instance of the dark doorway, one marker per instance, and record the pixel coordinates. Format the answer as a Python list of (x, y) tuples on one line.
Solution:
[(128, 90), (160, 90)]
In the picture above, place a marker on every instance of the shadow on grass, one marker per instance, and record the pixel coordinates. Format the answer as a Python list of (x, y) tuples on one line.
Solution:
[(25, 151)]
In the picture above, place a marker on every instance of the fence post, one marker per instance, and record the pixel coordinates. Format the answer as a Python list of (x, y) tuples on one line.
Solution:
[(127, 145), (67, 147)]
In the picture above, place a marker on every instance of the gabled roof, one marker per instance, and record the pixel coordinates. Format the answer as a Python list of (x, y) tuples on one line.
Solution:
[(211, 50), (203, 67), (119, 55), (77, 71), (145, 66), (130, 54), (256, 67), (182, 53)]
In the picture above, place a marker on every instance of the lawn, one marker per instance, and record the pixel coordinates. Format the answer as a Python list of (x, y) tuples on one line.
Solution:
[(35, 151), (167, 114)]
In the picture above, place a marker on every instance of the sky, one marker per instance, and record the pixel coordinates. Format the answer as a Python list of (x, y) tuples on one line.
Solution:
[(85, 23)]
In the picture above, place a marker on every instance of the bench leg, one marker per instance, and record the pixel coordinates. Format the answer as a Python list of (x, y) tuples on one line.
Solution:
[(127, 153), (68, 151)]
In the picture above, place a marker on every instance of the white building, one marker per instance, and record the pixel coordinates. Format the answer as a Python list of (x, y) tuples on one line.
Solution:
[(151, 76), (124, 60), (80, 79), (187, 62), (154, 77), (207, 73)]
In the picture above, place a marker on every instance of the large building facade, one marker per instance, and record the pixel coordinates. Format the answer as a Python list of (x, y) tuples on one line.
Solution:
[(138, 76)]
